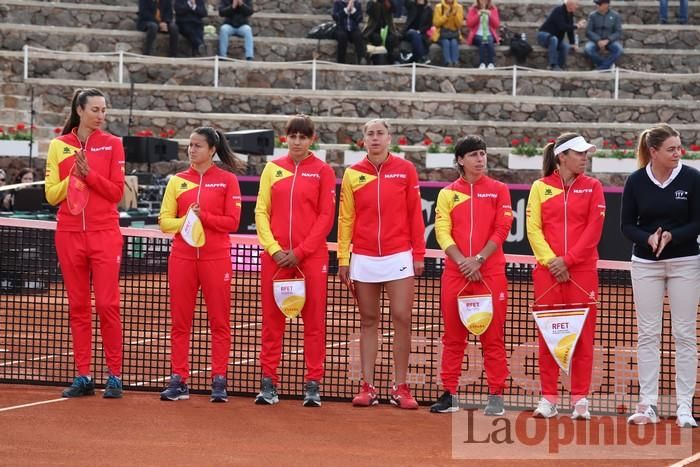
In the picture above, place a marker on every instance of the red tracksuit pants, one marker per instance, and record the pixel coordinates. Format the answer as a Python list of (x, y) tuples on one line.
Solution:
[(96, 255), (454, 340), (582, 361), (315, 269), (185, 277)]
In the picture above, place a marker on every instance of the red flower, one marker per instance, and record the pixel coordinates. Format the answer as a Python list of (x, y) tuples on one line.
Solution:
[(613, 146), (171, 132), (526, 140), (606, 143), (12, 130), (163, 134), (515, 142), (148, 133), (683, 151), (629, 143), (361, 143), (57, 130), (447, 140), (1, 130), (403, 141), (427, 141), (695, 147), (21, 126), (283, 139)]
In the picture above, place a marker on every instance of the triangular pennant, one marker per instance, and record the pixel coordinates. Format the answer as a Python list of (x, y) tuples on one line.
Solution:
[(560, 326), (192, 231)]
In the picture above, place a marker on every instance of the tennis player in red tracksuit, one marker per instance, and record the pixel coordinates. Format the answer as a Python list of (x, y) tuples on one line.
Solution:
[(381, 215), (216, 194), (89, 243), (294, 214), (565, 215), (473, 218)]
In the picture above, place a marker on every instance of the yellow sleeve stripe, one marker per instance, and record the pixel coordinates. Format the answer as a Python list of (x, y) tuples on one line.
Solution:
[(271, 173), (168, 220), (446, 202), (541, 249), (357, 179), (346, 217)]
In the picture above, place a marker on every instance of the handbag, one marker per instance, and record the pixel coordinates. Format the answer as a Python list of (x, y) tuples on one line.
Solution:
[(323, 31), (449, 34)]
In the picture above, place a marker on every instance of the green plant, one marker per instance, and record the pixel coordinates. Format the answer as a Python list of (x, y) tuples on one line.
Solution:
[(356, 146), (19, 132), (693, 154), (613, 151), (524, 147), (434, 147)]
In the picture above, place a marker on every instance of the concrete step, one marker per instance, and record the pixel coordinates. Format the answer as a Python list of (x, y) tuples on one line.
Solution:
[(54, 96), (276, 24), (332, 76), (633, 12), (14, 37)]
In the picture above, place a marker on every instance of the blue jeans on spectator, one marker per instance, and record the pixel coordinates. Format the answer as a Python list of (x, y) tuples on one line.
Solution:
[(487, 49), (682, 12), (417, 44), (603, 62), (244, 31), (450, 51), (558, 50)]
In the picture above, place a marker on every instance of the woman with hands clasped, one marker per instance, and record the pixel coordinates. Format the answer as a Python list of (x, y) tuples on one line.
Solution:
[(201, 206), (661, 215), (483, 22)]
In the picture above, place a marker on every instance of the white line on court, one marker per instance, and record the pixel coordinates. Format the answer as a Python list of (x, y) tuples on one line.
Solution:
[(687, 460), (5, 409)]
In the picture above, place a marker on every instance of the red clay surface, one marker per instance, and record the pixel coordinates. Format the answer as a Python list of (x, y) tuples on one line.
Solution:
[(141, 430)]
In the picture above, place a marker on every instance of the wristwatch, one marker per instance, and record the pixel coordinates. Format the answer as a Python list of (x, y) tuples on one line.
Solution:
[(479, 259)]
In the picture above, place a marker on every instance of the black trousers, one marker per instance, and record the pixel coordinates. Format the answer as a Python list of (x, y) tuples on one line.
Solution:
[(151, 29), (194, 33), (356, 38)]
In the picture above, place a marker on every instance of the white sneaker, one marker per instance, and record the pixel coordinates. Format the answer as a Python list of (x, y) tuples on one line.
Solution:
[(545, 409), (581, 411), (490, 66), (684, 417), (482, 66), (645, 414)]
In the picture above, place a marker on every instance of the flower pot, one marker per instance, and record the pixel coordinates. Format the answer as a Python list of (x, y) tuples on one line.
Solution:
[(692, 163), (439, 160), (517, 161), (277, 152), (353, 157), (18, 148), (613, 165)]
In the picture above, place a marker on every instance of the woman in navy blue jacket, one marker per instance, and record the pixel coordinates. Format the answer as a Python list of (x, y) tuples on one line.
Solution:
[(188, 17), (348, 17)]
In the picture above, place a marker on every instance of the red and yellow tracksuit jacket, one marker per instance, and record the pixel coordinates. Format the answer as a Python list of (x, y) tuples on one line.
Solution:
[(209, 267), (380, 210), (566, 222), (105, 180), (468, 215), (295, 210), (219, 197), (90, 243)]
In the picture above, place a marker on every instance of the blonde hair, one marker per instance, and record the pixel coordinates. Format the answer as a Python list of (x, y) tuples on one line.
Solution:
[(652, 137)]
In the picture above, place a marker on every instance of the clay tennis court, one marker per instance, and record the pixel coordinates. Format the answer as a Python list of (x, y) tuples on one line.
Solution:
[(139, 429)]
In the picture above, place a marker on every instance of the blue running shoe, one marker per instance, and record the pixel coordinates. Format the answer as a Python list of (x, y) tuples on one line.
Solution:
[(82, 386), (113, 388), (268, 392), (218, 389), (176, 390)]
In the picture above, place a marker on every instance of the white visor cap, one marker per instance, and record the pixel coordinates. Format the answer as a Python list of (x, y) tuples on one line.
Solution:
[(578, 144)]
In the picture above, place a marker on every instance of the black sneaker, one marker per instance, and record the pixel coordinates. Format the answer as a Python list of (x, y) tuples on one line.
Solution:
[(312, 398), (494, 407), (113, 388), (268, 393), (218, 389), (446, 404), (82, 386), (176, 390)]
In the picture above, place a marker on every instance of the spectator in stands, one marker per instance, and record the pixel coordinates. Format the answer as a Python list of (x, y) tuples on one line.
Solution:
[(236, 13), (347, 15), (475, 265), (682, 12), (379, 33), (419, 19), (208, 199), (383, 219), (560, 22), (157, 16), (25, 175), (188, 16), (661, 216), (483, 22), (293, 217), (85, 178), (604, 31), (565, 214), (7, 198), (448, 18)]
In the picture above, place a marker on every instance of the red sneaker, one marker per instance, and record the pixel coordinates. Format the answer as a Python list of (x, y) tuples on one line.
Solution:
[(401, 397), (366, 397)]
